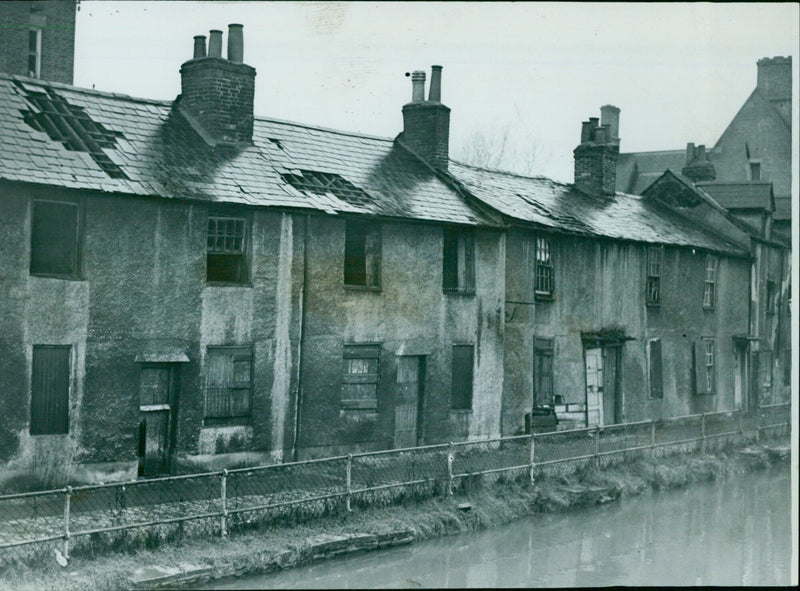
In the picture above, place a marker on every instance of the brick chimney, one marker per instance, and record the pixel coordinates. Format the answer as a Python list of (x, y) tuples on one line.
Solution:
[(426, 124), (217, 93), (597, 154), (697, 166), (775, 82)]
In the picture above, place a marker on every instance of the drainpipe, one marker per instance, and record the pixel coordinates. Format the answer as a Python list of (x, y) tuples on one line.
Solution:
[(300, 340)]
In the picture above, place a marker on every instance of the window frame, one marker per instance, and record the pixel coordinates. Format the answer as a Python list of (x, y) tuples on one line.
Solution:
[(369, 230), (463, 240), (76, 272), (755, 165), (705, 365), (462, 402), (62, 426), (36, 53), (236, 353), (543, 347), (544, 268), (364, 352), (245, 251), (654, 272), (710, 284)]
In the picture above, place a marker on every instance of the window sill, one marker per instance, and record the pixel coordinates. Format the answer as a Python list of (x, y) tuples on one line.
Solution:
[(653, 304), (227, 284), (458, 292), (370, 288), (708, 308), (57, 276), (543, 297)]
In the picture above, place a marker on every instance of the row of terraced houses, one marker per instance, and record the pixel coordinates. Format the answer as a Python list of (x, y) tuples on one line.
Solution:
[(186, 284)]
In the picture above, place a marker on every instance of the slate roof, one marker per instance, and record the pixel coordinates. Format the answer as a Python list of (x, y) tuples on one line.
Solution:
[(637, 170), (563, 208), (160, 154), (783, 209), (745, 195)]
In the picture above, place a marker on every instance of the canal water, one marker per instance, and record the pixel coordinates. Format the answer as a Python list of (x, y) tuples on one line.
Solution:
[(733, 532)]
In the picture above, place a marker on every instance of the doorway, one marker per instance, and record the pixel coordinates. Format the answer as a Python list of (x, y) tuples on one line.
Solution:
[(603, 392), (408, 401), (157, 394)]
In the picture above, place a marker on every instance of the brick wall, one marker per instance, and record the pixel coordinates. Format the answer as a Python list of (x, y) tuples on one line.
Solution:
[(426, 131), (596, 167)]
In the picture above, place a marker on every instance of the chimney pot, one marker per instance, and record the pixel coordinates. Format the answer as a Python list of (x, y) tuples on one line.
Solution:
[(435, 92), (199, 46), (596, 156), (215, 43), (586, 131), (609, 115), (701, 153), (417, 86), (235, 43), (689, 154)]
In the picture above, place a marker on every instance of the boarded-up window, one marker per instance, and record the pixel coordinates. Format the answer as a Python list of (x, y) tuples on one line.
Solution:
[(226, 252), (154, 385), (543, 372), (653, 287), (54, 239), (705, 366), (710, 283), (461, 395), (656, 372), (361, 373), (544, 267), (50, 379), (458, 260), (362, 254), (229, 382)]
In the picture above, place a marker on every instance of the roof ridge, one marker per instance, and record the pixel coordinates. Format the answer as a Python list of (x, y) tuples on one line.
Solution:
[(82, 90), (323, 128), (507, 172), (748, 183)]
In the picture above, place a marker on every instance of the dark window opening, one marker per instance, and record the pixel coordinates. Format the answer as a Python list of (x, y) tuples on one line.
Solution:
[(50, 379), (322, 183), (544, 268), (54, 239), (656, 372), (226, 254), (362, 254), (543, 372), (360, 376), (654, 258), (461, 394), (458, 260), (72, 127), (229, 383), (755, 171)]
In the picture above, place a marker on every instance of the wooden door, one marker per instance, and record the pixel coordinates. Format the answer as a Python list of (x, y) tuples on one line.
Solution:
[(611, 403), (155, 412), (594, 386), (407, 401)]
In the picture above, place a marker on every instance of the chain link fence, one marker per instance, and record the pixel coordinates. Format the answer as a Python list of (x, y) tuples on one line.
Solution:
[(89, 520)]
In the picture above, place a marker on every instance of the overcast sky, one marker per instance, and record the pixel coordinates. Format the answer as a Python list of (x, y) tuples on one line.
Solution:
[(679, 72)]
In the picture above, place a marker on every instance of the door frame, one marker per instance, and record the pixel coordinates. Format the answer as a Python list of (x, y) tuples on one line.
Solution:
[(171, 406)]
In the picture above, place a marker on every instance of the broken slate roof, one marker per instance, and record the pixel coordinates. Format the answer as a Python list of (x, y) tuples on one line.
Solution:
[(561, 207), (60, 135)]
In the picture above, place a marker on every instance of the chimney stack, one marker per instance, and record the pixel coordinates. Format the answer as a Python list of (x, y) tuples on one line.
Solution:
[(597, 154), (697, 166), (774, 82), (217, 93), (426, 124)]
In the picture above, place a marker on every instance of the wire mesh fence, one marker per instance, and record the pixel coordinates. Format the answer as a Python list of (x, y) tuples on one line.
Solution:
[(144, 513)]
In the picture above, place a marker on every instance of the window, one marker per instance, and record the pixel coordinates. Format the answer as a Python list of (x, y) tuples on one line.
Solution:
[(362, 254), (656, 372), (544, 267), (458, 261), (55, 239), (771, 291), (705, 366), (226, 254), (50, 378), (709, 287), (461, 395), (543, 372), (361, 373), (755, 171), (229, 383), (654, 257), (35, 53), (765, 367)]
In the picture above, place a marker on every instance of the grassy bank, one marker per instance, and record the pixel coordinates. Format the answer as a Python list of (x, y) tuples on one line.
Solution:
[(490, 504)]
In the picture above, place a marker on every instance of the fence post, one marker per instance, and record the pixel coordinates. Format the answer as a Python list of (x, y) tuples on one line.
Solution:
[(349, 478), (450, 457), (223, 495), (703, 431), (67, 497), (533, 461), (597, 446)]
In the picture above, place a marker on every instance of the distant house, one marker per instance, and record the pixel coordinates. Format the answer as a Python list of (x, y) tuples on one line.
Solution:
[(186, 285)]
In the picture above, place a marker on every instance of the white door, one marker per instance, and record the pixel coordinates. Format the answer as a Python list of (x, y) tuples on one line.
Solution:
[(594, 387)]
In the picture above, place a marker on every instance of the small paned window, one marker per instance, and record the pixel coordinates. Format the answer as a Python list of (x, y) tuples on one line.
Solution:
[(543, 372), (54, 239), (458, 261), (461, 393), (654, 259), (226, 254), (709, 286), (229, 383), (362, 254), (705, 366), (35, 53), (544, 267), (771, 292), (50, 378), (361, 374), (755, 171), (656, 372)]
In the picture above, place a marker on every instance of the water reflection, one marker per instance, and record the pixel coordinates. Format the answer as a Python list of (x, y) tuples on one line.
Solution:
[(736, 532)]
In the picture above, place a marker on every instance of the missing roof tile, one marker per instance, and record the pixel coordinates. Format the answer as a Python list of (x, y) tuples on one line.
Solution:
[(71, 126), (322, 183), (276, 142)]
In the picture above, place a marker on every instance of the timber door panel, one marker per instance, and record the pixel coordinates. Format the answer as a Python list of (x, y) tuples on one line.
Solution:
[(594, 386), (155, 408), (611, 403), (407, 400)]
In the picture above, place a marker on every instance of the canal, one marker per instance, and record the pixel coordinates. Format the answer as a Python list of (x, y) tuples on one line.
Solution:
[(732, 532)]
